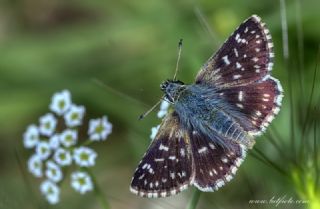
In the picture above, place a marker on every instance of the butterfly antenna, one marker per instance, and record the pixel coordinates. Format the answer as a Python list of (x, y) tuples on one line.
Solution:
[(179, 54), (150, 110)]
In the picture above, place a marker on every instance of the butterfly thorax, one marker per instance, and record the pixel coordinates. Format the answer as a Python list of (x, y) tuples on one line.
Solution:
[(201, 108), (172, 89)]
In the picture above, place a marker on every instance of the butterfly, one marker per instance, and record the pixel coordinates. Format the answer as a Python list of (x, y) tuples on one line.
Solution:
[(214, 121)]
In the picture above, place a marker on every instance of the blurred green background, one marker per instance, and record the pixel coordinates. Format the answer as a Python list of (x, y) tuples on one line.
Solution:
[(112, 56)]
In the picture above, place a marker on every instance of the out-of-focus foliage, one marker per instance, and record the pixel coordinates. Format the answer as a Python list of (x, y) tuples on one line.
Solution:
[(112, 56)]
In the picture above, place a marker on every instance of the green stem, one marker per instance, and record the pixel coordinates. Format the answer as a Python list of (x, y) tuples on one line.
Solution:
[(86, 142), (194, 199), (98, 192)]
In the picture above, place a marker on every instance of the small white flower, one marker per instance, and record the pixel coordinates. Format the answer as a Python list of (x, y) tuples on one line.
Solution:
[(35, 165), (47, 124), (68, 137), (84, 156), (74, 116), (163, 109), (54, 141), (154, 131), (60, 102), (51, 191), (62, 157), (43, 150), (31, 136), (53, 172), (99, 129), (81, 182)]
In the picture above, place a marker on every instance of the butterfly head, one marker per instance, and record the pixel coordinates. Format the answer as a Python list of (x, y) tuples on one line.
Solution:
[(172, 89)]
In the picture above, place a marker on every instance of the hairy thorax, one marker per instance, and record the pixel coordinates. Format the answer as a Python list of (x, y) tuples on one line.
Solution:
[(201, 108)]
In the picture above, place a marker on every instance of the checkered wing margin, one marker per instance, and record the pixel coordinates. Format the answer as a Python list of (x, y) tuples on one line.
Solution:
[(214, 165), (244, 58), (166, 167)]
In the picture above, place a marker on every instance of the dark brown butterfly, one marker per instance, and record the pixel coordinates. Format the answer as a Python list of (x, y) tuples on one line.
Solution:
[(203, 141)]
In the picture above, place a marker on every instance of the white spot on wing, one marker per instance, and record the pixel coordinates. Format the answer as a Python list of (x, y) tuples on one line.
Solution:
[(172, 175), (237, 37), (236, 76), (162, 147), (142, 176), (255, 59), (224, 159), (235, 52), (214, 171), (239, 105), (172, 157), (202, 149), (238, 65), (226, 60), (212, 146), (240, 96), (182, 152), (158, 159)]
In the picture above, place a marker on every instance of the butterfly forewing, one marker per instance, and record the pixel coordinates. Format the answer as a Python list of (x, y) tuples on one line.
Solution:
[(241, 72), (166, 167), (213, 164), (244, 58)]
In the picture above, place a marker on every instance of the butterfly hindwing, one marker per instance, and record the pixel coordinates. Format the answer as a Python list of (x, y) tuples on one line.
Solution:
[(166, 167), (213, 164), (259, 102), (244, 58)]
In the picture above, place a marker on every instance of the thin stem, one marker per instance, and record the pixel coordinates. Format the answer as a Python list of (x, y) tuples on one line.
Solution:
[(151, 109), (285, 46), (118, 93), (204, 23), (284, 27), (300, 44), (270, 162), (27, 182), (276, 146), (98, 192), (194, 199), (316, 156), (309, 104)]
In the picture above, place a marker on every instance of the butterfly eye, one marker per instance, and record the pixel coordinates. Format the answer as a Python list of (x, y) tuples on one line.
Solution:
[(164, 85)]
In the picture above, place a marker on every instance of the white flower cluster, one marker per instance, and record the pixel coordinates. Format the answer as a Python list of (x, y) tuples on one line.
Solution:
[(56, 147), (164, 107)]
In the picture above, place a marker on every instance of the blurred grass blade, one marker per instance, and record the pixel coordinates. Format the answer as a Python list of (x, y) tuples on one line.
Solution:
[(26, 181), (306, 120), (118, 93), (316, 162), (270, 162), (285, 48), (194, 199), (300, 45), (98, 192), (204, 23)]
